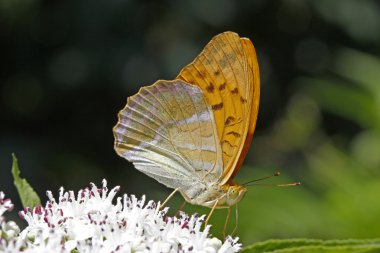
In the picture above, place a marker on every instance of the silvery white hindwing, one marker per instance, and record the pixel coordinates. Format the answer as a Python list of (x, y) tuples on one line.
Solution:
[(167, 130)]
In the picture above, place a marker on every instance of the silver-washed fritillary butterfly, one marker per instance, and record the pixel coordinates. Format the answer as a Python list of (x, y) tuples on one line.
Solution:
[(193, 133)]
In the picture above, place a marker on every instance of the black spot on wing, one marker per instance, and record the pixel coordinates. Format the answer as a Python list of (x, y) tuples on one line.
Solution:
[(229, 120), (243, 100), (233, 133), (210, 88), (217, 106), (229, 144)]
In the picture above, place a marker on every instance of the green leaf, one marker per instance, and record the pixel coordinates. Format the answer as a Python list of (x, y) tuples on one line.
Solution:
[(315, 246), (28, 196)]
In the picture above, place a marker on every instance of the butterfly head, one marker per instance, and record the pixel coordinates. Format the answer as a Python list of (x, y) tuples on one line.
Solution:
[(234, 193)]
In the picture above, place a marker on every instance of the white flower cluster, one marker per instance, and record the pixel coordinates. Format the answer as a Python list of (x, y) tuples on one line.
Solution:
[(91, 223)]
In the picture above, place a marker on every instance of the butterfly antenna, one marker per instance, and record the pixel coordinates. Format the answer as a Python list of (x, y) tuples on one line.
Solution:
[(276, 174), (280, 185)]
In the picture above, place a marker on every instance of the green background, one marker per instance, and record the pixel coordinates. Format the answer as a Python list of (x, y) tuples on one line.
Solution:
[(67, 68)]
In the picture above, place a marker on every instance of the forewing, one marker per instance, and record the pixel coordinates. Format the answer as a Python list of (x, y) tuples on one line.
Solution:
[(254, 86), (167, 130), (227, 72)]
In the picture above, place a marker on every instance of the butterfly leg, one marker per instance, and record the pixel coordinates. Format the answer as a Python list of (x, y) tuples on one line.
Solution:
[(226, 222), (180, 208), (168, 198), (212, 210), (236, 222)]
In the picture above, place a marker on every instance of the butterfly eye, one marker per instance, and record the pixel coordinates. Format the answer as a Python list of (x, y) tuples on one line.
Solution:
[(232, 193)]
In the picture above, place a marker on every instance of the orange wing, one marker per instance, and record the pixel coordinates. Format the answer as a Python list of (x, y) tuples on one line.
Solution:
[(227, 71)]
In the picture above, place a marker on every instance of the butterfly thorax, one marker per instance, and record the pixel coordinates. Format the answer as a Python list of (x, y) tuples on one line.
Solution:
[(226, 195)]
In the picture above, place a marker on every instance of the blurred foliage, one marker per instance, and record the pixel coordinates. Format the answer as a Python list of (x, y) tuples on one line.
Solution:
[(68, 67), (311, 246)]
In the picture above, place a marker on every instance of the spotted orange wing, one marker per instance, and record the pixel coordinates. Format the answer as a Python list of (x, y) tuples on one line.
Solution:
[(227, 72)]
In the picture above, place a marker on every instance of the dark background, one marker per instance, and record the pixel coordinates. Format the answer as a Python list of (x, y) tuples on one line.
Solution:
[(67, 68)]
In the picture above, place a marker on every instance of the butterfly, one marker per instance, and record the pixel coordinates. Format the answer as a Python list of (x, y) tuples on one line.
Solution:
[(193, 133)]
